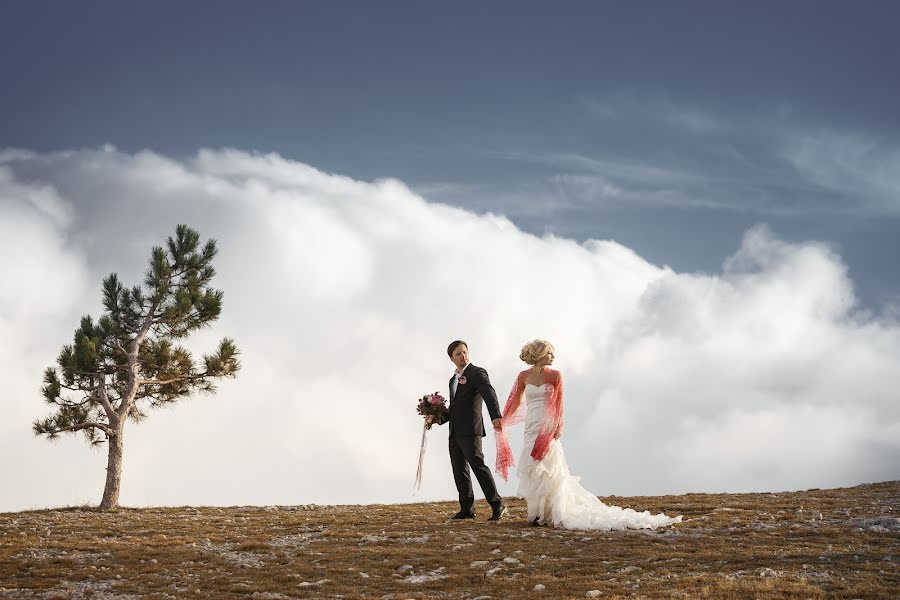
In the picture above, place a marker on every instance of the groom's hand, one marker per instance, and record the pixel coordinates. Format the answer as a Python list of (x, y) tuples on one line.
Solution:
[(498, 424)]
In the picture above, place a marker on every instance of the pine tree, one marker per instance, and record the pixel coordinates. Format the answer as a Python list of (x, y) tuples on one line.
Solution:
[(127, 362)]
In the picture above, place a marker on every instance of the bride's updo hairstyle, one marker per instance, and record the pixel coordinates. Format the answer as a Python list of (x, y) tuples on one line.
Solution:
[(534, 351)]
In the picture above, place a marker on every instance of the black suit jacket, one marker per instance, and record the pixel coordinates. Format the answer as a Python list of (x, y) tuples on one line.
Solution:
[(465, 407)]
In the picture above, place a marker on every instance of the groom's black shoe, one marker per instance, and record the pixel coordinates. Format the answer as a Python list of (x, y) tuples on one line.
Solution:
[(498, 512), (463, 515)]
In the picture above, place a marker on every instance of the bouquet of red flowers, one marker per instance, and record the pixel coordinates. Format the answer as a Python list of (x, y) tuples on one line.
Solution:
[(434, 406)]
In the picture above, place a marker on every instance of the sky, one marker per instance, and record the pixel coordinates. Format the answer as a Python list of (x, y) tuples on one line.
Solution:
[(697, 203)]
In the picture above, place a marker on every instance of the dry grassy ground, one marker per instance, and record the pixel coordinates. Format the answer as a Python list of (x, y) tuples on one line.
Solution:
[(841, 543)]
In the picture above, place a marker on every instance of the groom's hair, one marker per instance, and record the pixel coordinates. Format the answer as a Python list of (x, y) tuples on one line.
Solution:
[(454, 345)]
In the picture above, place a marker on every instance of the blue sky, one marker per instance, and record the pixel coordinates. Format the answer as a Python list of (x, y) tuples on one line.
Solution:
[(670, 127), (753, 148)]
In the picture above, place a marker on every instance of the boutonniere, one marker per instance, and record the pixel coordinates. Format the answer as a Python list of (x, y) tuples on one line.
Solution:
[(462, 380)]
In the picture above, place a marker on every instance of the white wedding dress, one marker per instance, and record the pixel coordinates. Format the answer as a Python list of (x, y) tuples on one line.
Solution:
[(554, 495)]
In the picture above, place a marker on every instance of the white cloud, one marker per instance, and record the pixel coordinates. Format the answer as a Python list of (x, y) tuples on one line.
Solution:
[(342, 296), (42, 285)]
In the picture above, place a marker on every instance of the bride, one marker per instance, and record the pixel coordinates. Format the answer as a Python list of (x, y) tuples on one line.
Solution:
[(554, 495)]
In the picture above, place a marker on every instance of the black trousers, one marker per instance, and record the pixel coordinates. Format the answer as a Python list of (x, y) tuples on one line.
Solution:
[(465, 451)]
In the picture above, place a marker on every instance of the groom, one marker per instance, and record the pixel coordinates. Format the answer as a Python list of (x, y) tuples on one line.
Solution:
[(469, 386)]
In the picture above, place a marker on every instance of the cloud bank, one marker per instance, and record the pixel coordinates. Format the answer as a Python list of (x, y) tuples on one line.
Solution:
[(342, 296)]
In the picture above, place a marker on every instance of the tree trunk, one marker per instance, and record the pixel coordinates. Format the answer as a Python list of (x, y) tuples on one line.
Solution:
[(113, 470)]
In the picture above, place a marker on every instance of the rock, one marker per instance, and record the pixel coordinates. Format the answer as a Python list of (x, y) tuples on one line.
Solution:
[(631, 569), (540, 587), (495, 551), (879, 524), (404, 569), (434, 575), (593, 594), (492, 572), (420, 539), (477, 564), (512, 561), (363, 575)]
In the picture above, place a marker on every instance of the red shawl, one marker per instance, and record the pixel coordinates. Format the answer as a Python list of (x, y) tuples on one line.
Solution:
[(514, 412)]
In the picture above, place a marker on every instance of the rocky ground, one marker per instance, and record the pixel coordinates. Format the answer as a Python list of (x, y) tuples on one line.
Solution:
[(838, 543)]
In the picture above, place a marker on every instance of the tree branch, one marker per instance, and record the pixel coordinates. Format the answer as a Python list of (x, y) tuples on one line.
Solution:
[(172, 380), (106, 429), (104, 399), (66, 403), (119, 347), (170, 322), (85, 373), (132, 366)]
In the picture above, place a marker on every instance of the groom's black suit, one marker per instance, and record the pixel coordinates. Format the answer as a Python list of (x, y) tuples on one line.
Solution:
[(466, 431)]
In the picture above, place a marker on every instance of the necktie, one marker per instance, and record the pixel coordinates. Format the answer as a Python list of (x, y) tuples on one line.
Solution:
[(453, 383)]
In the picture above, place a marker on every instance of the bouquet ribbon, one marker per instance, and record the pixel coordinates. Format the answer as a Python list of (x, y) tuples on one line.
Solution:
[(418, 483)]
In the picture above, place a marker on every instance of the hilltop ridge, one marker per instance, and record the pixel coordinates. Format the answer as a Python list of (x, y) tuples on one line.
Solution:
[(834, 543)]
